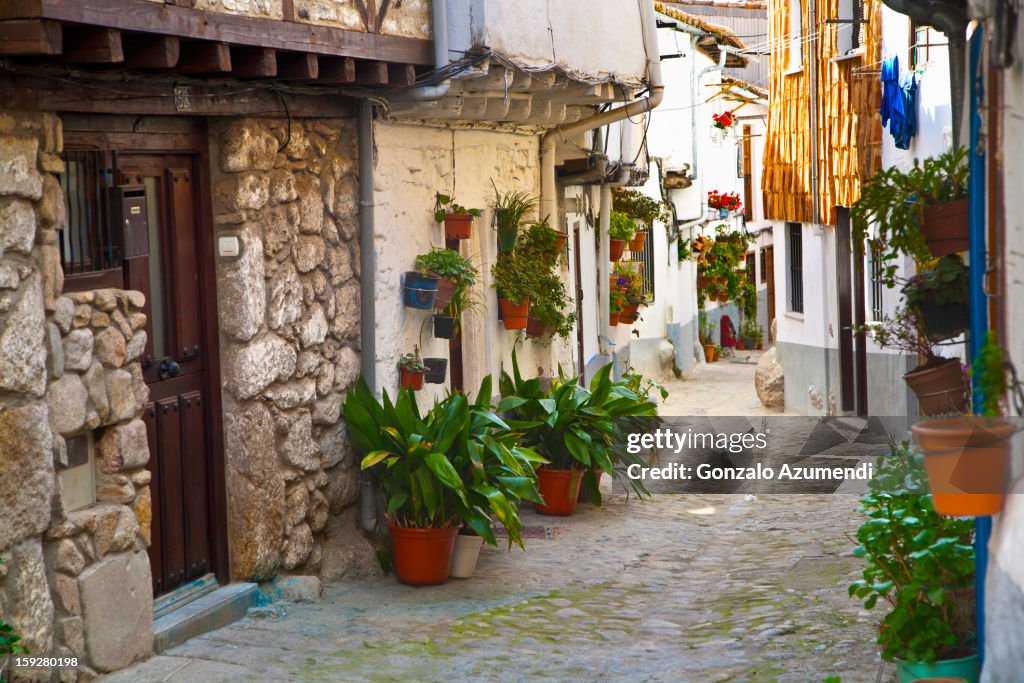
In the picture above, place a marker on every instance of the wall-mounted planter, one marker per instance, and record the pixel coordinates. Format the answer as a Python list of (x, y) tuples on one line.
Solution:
[(537, 329), (419, 290), (945, 227), (723, 213), (560, 241), (514, 316), (444, 327), (410, 380), (615, 249), (944, 321), (968, 460), (458, 226), (437, 370), (638, 241), (629, 314), (445, 291), (613, 318), (939, 387)]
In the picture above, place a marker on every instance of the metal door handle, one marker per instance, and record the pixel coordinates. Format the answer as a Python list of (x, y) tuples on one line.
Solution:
[(168, 368)]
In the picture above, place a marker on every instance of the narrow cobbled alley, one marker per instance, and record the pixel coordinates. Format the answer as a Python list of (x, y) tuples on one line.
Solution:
[(682, 587)]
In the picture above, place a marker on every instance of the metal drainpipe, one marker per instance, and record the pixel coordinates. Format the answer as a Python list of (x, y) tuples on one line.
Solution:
[(428, 93), (367, 293), (979, 307)]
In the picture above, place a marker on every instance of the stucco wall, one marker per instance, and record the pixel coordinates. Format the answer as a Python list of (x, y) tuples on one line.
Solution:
[(409, 18), (413, 164), (75, 583), (289, 321)]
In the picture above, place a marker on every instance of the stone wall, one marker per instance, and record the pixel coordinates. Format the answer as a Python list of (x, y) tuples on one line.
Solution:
[(289, 314), (75, 583)]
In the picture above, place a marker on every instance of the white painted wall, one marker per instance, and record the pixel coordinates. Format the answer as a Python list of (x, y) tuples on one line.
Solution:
[(593, 39), (413, 163)]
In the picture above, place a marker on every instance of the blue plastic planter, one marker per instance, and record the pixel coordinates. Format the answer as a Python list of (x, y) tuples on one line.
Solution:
[(723, 213), (967, 668), (419, 289)]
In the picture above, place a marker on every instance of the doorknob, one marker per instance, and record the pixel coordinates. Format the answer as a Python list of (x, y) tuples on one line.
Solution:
[(168, 368)]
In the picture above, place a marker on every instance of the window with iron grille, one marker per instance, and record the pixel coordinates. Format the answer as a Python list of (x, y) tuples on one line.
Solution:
[(796, 267), (646, 259), (91, 250), (876, 286), (764, 265), (752, 268)]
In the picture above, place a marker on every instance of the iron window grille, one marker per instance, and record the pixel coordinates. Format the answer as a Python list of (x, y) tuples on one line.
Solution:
[(91, 243), (796, 263)]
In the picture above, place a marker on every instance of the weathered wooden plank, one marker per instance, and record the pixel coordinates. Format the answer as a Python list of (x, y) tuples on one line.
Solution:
[(337, 70), (371, 73), (401, 74), (92, 45), (184, 22), (204, 58), (294, 65), (151, 52), (30, 37), (253, 62)]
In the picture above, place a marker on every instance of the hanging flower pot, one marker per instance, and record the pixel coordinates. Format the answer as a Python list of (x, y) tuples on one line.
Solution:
[(939, 386), (466, 555), (615, 249), (944, 321), (559, 489), (437, 370), (514, 316), (445, 291), (423, 557), (629, 313), (613, 319), (968, 463), (723, 213), (560, 241), (458, 226), (638, 241), (536, 329), (444, 327), (945, 227), (411, 379), (419, 290), (507, 239)]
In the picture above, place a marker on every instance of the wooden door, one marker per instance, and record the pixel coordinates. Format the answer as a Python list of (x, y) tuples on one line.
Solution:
[(175, 365), (769, 275), (844, 282)]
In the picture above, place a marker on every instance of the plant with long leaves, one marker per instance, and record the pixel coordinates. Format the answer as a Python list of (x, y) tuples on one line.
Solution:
[(575, 427), (458, 462)]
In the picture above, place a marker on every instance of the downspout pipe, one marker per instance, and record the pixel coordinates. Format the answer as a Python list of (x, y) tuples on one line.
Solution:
[(367, 292), (550, 140), (429, 93), (978, 305)]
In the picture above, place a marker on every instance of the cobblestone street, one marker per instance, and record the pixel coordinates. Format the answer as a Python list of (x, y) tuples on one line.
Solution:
[(679, 588)]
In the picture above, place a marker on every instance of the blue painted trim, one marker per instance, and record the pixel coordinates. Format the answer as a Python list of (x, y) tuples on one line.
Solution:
[(979, 307)]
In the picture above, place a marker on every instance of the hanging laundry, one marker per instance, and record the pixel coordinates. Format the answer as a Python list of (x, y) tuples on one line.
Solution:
[(908, 96), (892, 103)]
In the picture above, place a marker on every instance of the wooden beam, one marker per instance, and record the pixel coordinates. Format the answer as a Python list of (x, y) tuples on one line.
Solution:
[(204, 58), (288, 10), (294, 65), (401, 74), (30, 37), (151, 52), (92, 45), (184, 22), (253, 62), (337, 70), (371, 73)]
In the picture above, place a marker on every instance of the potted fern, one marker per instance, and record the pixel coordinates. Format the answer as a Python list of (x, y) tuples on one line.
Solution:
[(510, 209)]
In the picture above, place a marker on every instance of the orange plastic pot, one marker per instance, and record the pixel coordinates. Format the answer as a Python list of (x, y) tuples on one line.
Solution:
[(709, 353), (613, 319), (423, 557), (638, 241), (559, 489), (514, 316), (967, 459), (410, 380), (445, 291), (615, 249), (458, 226)]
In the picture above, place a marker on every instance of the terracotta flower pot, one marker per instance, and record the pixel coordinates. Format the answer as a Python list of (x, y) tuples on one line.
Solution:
[(613, 319), (718, 353), (629, 313), (945, 227), (709, 353), (537, 329), (514, 316), (423, 557), (560, 242), (559, 489), (741, 346), (445, 291), (967, 459), (637, 243), (615, 249), (940, 387), (458, 226), (410, 380)]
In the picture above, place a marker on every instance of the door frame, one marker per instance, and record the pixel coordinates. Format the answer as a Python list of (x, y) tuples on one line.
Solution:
[(182, 136)]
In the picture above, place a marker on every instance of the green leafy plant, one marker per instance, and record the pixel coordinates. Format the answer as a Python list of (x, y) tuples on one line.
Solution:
[(945, 282), (894, 201), (516, 275), (988, 377), (551, 306), (411, 362), (458, 462), (719, 266), (510, 209), (920, 563), (635, 204), (621, 226), (573, 427), (634, 283), (449, 264), (751, 331), (446, 205), (643, 386), (540, 239)]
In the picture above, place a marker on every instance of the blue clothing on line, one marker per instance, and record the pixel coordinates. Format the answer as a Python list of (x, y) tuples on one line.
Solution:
[(892, 103), (908, 96)]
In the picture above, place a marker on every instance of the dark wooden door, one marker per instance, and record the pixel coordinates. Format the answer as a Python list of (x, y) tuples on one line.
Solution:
[(175, 365), (580, 345), (769, 275), (844, 282)]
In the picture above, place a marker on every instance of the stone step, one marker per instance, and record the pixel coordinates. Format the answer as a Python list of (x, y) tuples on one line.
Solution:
[(218, 608)]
